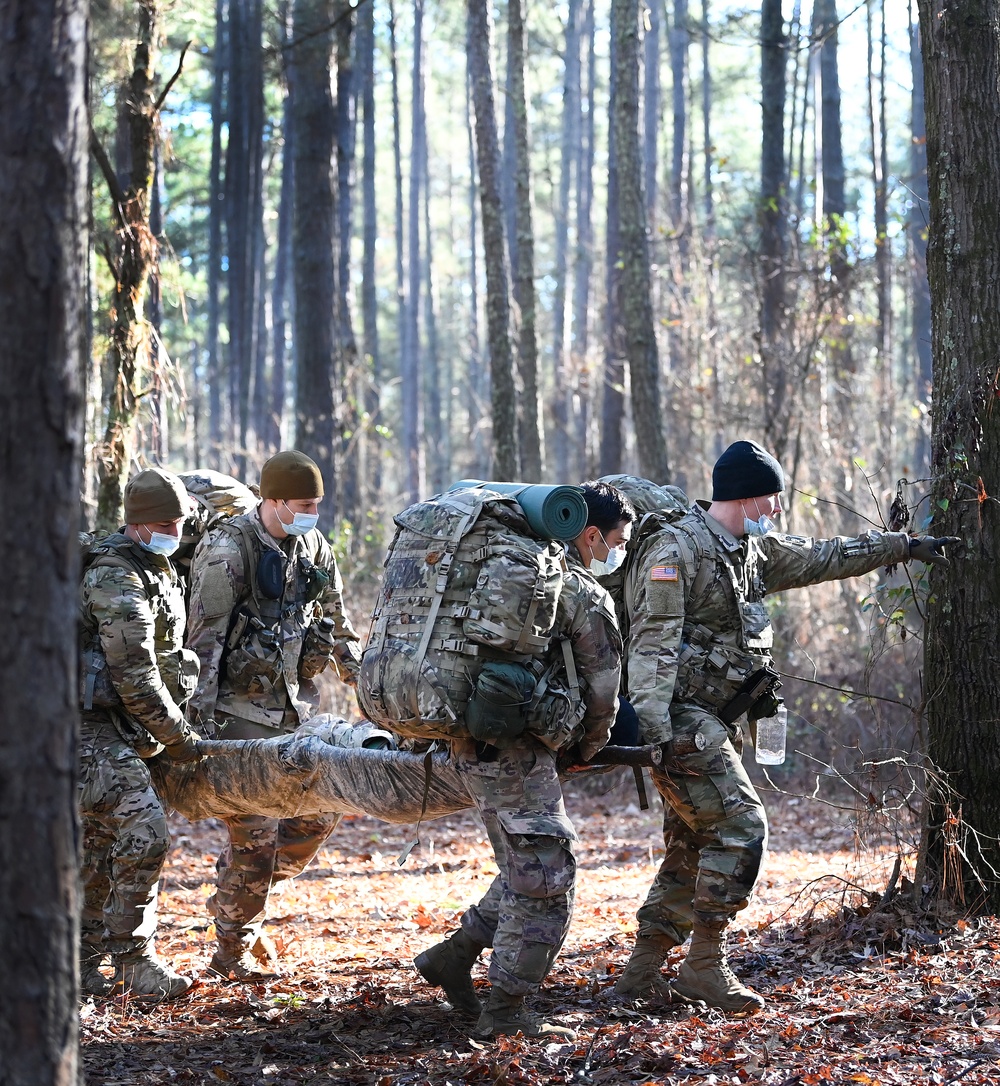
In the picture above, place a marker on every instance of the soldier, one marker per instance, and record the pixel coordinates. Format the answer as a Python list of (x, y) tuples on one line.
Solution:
[(136, 681), (698, 628), (266, 618), (526, 912)]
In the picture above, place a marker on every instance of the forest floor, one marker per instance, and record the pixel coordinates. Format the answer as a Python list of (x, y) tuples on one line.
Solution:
[(857, 992)]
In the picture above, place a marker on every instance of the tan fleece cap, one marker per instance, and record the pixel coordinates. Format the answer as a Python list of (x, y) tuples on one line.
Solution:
[(290, 476), (155, 496)]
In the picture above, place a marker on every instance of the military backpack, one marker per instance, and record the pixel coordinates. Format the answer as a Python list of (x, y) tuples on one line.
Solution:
[(469, 586)]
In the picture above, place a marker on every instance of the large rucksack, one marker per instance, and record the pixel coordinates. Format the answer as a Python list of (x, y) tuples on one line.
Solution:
[(218, 497), (466, 583)]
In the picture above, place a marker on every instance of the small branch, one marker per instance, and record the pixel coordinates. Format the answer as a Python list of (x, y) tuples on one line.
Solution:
[(101, 156), (172, 80)]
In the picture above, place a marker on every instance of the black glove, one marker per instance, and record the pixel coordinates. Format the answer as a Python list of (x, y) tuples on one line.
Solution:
[(928, 549)]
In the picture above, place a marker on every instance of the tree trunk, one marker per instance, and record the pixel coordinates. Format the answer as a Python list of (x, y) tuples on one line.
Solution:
[(613, 389), (584, 262), (917, 229), (371, 446), (244, 208), (132, 259), (651, 111), (401, 309), (477, 387), (159, 414), (523, 254), (772, 216), (317, 341), (43, 355), (680, 39), (410, 355), (281, 300), (504, 401), (435, 427), (569, 157), (216, 212), (961, 51), (713, 354), (636, 300), (834, 199)]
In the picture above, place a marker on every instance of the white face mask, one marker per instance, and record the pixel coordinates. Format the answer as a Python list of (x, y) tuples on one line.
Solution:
[(301, 522), (161, 543), (602, 568), (761, 526)]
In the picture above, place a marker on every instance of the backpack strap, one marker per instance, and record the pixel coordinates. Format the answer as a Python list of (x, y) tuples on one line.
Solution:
[(241, 533)]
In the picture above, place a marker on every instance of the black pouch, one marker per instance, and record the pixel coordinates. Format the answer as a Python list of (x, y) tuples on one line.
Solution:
[(271, 574)]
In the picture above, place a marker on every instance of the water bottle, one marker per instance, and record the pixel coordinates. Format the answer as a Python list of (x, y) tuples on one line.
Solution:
[(771, 731)]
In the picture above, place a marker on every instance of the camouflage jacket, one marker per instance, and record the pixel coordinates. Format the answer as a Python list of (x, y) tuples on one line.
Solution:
[(132, 628), (259, 654), (694, 603), (586, 615)]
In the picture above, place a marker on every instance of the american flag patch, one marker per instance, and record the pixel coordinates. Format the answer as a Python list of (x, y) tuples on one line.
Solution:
[(663, 573)]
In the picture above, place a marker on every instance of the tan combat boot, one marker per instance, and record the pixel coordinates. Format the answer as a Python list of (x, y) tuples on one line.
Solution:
[(92, 980), (642, 978), (143, 977), (507, 1014), (448, 965), (705, 976), (240, 961)]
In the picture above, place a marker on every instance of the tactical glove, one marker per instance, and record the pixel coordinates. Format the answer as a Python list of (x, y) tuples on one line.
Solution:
[(928, 549), (186, 749)]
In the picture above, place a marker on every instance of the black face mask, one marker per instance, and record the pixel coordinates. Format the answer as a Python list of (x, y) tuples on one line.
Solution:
[(271, 574)]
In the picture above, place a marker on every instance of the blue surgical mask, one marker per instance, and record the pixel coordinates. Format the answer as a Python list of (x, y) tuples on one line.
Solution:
[(301, 522), (761, 526), (161, 543), (602, 568)]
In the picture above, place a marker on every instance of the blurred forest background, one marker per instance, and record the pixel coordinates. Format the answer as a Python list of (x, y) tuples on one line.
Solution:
[(433, 240)]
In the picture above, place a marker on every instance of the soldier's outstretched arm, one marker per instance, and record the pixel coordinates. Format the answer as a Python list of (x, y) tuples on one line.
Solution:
[(794, 561), (657, 623)]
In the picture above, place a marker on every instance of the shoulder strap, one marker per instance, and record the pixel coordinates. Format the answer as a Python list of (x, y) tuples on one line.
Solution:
[(118, 556), (248, 553)]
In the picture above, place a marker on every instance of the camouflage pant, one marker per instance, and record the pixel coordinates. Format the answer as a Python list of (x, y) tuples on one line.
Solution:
[(125, 842), (525, 914), (714, 830), (261, 851)]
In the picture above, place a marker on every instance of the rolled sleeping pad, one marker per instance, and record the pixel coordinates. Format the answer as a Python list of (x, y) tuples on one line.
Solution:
[(554, 512)]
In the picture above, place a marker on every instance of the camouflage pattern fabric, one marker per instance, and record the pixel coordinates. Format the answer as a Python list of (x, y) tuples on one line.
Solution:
[(125, 841), (135, 620), (698, 626), (262, 681), (261, 851), (526, 912), (714, 831)]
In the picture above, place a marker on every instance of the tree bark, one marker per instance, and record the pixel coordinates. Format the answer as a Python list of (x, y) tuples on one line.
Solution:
[(636, 299), (917, 230), (651, 110), (523, 255), (317, 338), (371, 446), (43, 355), (244, 210), (613, 388), (131, 261), (504, 400), (569, 159), (772, 215), (961, 53), (410, 354), (216, 212)]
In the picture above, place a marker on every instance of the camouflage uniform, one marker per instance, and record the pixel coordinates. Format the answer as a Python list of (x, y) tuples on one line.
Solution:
[(526, 912), (697, 627), (136, 680), (263, 687)]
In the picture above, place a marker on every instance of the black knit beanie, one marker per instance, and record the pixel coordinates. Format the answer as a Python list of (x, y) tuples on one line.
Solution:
[(745, 470)]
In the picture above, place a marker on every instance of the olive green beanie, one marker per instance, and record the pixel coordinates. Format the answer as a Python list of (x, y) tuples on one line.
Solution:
[(155, 496), (290, 476)]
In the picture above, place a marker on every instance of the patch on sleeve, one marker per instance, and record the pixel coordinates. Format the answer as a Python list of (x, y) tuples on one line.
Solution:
[(664, 573)]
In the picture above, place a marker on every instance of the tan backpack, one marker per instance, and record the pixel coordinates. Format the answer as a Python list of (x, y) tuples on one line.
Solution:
[(466, 582)]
